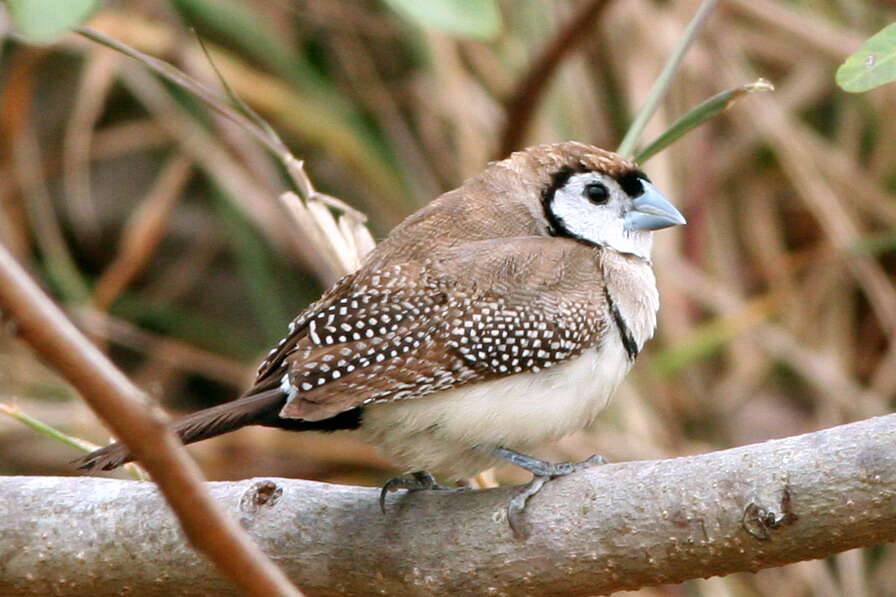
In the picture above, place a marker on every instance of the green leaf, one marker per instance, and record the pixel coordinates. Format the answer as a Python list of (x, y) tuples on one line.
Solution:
[(43, 20), (478, 19), (873, 65), (699, 115)]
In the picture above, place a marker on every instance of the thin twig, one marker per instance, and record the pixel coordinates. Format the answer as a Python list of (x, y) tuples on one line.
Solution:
[(127, 412), (28, 172), (253, 124), (181, 79), (97, 80), (245, 117), (520, 107)]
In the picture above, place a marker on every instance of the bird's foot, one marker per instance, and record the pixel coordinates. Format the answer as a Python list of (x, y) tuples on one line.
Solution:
[(542, 473), (415, 481)]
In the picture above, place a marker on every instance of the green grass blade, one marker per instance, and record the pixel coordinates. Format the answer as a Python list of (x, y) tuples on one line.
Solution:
[(241, 27), (66, 280), (240, 105), (699, 115), (53, 433), (661, 86), (47, 430), (326, 120)]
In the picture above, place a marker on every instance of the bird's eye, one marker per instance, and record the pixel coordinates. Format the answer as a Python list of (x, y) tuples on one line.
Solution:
[(597, 193)]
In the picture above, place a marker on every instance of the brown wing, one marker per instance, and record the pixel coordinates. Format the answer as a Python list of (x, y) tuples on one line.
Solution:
[(297, 330), (470, 313)]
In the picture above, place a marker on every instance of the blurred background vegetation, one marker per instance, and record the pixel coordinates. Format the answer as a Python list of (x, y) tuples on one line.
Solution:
[(156, 223)]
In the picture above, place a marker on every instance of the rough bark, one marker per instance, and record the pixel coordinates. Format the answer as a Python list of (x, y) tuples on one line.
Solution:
[(619, 526)]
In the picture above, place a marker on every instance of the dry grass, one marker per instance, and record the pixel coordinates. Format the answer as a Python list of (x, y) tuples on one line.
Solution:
[(157, 223)]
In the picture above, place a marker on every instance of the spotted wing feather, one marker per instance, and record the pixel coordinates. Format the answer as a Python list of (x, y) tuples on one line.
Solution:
[(470, 313), (297, 330)]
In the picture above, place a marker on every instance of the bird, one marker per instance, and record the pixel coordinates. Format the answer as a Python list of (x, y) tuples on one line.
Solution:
[(499, 317)]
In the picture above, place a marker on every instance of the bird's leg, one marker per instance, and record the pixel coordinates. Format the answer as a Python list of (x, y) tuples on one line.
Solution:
[(542, 473), (540, 468), (413, 482)]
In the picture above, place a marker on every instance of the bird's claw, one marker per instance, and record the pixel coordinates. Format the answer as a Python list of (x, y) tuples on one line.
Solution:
[(414, 482), (543, 472), (517, 505)]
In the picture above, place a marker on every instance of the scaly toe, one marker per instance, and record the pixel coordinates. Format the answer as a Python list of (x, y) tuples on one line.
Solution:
[(393, 484), (416, 481), (594, 460), (517, 506)]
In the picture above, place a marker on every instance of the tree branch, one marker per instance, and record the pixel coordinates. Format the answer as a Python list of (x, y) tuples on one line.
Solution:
[(620, 526), (127, 411), (520, 106)]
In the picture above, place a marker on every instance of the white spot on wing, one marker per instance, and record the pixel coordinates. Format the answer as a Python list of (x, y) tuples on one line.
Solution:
[(287, 388), (312, 331)]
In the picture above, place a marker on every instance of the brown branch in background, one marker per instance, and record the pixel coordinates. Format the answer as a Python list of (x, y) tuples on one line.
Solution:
[(614, 527), (97, 79), (127, 412), (144, 231), (520, 107), (28, 171)]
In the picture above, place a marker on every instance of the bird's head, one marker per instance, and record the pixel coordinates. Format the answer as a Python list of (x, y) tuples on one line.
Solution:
[(598, 197)]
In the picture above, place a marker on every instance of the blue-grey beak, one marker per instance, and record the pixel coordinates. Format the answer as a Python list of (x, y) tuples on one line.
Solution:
[(652, 211)]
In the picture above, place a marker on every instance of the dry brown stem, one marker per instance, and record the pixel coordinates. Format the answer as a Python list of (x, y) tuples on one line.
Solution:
[(127, 412), (520, 108)]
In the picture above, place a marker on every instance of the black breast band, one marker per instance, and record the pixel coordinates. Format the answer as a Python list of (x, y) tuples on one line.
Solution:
[(628, 341)]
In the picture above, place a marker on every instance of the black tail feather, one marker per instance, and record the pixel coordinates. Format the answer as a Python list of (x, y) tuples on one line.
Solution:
[(262, 408), (255, 409)]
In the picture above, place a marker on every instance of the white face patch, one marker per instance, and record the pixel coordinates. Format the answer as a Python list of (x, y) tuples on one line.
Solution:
[(586, 212)]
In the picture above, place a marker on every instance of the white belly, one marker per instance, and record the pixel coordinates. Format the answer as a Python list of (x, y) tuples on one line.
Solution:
[(450, 433)]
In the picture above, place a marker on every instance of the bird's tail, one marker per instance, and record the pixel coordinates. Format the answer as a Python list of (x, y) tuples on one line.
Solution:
[(254, 409)]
